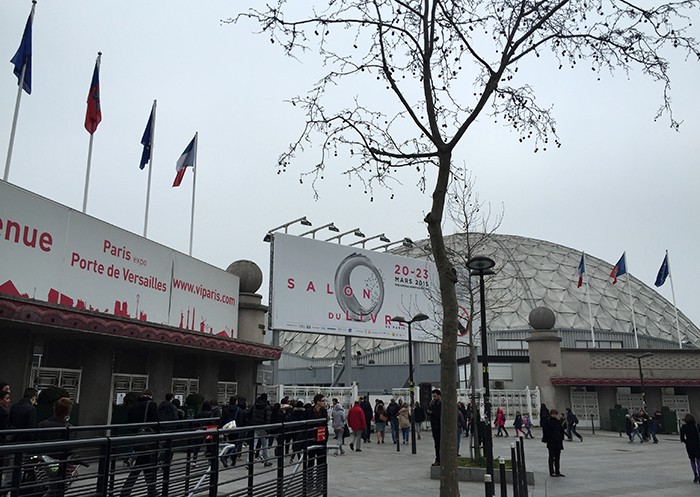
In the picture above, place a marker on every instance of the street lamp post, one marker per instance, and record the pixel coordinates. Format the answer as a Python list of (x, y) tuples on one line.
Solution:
[(641, 375), (480, 266), (411, 386)]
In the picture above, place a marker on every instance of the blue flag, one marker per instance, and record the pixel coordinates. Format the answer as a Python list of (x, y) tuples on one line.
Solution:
[(147, 140), (663, 272), (23, 57)]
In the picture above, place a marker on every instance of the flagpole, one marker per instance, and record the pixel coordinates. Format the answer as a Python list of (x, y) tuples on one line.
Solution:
[(20, 87), (89, 158), (194, 189), (629, 292), (673, 295), (588, 299), (14, 124), (150, 164)]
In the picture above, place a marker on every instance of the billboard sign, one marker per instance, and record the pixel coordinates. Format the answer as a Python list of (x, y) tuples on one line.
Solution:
[(52, 253), (327, 288)]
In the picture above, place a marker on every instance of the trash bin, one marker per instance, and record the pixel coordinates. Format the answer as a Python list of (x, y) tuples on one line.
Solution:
[(617, 418), (669, 421)]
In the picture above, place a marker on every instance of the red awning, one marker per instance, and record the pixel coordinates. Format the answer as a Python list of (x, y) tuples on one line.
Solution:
[(44, 315), (626, 382)]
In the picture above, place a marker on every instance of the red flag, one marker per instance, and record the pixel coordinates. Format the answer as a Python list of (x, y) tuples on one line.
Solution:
[(93, 116)]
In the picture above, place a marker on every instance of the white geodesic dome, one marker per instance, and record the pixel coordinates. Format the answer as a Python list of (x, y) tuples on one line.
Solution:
[(532, 273)]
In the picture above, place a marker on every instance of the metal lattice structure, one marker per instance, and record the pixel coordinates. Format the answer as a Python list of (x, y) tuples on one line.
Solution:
[(533, 273)]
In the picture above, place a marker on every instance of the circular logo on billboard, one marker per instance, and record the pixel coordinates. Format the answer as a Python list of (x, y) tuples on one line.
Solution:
[(359, 287)]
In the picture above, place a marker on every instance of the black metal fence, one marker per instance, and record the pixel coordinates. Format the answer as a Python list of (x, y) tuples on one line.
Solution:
[(286, 459)]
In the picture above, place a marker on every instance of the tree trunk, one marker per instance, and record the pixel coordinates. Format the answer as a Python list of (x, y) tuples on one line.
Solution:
[(448, 352)]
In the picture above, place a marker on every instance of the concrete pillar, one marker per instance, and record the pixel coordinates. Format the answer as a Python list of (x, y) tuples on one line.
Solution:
[(247, 377), (15, 368), (545, 359), (95, 390), (160, 372), (208, 373), (251, 313)]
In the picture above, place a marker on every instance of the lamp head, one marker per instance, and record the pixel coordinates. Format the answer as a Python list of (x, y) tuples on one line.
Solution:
[(333, 228), (480, 263), (305, 222)]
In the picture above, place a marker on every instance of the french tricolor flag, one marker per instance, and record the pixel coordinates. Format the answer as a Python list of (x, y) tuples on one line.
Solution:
[(187, 159), (581, 270)]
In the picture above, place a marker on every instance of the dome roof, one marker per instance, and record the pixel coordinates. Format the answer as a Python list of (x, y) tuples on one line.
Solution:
[(533, 273)]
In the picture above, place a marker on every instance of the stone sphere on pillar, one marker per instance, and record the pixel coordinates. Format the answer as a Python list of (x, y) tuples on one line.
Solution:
[(542, 318), (250, 274)]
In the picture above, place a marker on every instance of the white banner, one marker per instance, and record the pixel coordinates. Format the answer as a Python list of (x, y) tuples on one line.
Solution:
[(327, 288), (52, 253)]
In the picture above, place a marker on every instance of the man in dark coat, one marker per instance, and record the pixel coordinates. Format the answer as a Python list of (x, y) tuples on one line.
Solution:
[(260, 414), (23, 415), (367, 409), (144, 410), (435, 413), (392, 412), (553, 435)]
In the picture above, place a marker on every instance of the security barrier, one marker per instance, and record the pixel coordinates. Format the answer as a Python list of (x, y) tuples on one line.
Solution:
[(286, 459)]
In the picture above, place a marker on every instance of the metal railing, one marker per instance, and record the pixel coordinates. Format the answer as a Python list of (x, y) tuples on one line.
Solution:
[(290, 460)]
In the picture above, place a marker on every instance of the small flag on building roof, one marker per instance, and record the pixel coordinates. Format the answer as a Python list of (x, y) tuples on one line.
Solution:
[(23, 57), (619, 269), (663, 273), (187, 159)]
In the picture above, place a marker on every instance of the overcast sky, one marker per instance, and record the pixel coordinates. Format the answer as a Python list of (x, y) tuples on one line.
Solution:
[(620, 181)]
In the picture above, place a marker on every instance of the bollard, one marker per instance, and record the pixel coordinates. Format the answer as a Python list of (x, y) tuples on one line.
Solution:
[(487, 485), (522, 470), (502, 474), (592, 425), (514, 470)]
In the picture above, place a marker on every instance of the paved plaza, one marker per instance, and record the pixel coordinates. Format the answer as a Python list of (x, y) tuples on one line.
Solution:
[(602, 465)]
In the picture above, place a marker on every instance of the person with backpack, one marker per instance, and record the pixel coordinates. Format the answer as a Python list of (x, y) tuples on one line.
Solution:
[(571, 422), (231, 418)]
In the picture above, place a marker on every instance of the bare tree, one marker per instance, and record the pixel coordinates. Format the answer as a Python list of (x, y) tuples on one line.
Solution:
[(445, 63)]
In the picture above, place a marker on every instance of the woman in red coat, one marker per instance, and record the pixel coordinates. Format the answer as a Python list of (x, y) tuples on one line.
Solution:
[(357, 423), (500, 423)]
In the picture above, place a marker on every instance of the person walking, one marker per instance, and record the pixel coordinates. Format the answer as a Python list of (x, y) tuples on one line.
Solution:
[(518, 423), (405, 422), (338, 420), (500, 423), (571, 423), (553, 436), (544, 415), (260, 414), (144, 410), (357, 423), (435, 413), (691, 438), (527, 424), (367, 409), (23, 415), (418, 418), (380, 420), (392, 412)]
